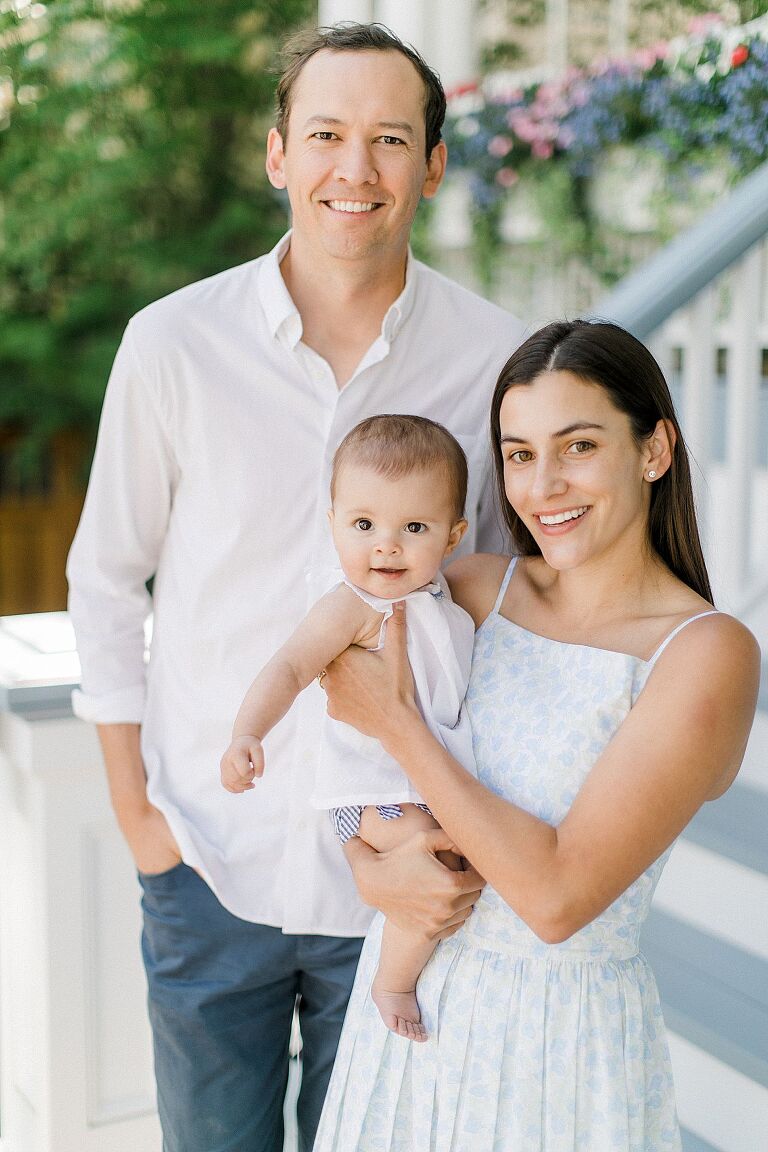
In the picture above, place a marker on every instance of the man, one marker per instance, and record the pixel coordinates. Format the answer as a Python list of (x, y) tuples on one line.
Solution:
[(224, 408)]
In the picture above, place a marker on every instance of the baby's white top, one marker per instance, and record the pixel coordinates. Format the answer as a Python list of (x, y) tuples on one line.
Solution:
[(354, 769)]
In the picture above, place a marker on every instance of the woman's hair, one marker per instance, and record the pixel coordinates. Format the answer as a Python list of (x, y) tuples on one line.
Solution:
[(605, 354), (348, 36), (395, 446)]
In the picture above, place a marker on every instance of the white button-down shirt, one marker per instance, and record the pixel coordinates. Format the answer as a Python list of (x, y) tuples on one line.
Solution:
[(212, 474)]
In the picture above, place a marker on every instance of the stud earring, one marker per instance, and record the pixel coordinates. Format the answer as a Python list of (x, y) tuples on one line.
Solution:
[(651, 475)]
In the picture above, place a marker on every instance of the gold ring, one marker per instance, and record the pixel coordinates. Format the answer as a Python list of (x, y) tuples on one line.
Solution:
[(320, 678)]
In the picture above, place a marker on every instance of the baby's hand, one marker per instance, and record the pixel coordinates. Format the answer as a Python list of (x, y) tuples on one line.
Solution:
[(243, 760)]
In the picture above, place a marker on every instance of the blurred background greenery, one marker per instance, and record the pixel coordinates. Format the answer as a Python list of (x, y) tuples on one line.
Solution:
[(131, 163)]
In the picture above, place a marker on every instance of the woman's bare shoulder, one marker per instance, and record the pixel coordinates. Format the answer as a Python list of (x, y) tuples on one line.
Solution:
[(721, 641), (474, 582)]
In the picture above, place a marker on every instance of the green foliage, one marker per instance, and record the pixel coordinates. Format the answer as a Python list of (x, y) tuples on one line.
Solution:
[(131, 162)]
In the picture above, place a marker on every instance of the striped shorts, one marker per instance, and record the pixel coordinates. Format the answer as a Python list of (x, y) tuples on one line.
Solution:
[(346, 821)]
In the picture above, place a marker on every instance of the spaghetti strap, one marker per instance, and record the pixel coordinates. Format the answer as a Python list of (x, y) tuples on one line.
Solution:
[(504, 583), (674, 632)]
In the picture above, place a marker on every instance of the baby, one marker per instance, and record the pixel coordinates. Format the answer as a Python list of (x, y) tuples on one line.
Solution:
[(398, 488)]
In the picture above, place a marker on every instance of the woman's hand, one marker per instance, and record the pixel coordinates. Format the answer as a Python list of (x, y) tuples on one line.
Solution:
[(412, 887), (373, 691)]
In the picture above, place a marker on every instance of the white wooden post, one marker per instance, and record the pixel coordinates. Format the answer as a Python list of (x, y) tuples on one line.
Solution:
[(331, 11), (743, 400), (618, 27), (699, 392), (75, 1049), (557, 36)]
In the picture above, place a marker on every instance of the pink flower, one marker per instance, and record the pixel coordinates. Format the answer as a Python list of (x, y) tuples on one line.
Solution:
[(739, 56), (645, 58), (704, 24), (522, 125), (542, 148), (507, 177), (499, 146), (462, 89)]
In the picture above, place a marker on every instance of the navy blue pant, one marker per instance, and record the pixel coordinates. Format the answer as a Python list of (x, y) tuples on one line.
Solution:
[(221, 998)]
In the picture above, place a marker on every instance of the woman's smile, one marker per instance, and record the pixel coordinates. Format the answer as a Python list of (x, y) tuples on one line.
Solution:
[(555, 523)]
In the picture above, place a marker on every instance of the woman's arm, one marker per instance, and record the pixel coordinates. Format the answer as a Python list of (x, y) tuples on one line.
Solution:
[(681, 744)]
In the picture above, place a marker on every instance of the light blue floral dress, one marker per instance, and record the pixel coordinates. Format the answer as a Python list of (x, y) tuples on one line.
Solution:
[(532, 1047)]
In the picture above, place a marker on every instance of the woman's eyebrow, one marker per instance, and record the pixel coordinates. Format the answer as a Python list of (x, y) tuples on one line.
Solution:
[(579, 426)]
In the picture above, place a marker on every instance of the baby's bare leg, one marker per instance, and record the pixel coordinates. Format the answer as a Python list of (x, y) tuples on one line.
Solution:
[(403, 953)]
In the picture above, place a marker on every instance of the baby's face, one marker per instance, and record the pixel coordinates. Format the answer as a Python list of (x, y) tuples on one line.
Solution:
[(392, 535)]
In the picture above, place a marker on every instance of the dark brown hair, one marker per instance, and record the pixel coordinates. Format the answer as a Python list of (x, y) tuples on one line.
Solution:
[(394, 446), (605, 354), (348, 36)]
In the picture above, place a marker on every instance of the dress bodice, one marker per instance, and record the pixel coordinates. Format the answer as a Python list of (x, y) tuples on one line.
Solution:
[(541, 713)]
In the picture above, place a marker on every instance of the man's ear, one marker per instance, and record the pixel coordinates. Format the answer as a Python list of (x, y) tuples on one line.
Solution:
[(275, 163), (435, 170)]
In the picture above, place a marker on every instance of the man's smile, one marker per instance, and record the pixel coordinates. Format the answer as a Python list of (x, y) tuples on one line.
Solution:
[(354, 206)]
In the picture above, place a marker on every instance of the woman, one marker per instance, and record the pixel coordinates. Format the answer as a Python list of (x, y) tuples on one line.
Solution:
[(608, 702)]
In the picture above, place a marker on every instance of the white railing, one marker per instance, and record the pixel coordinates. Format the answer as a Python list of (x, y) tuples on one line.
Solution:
[(702, 305), (715, 354)]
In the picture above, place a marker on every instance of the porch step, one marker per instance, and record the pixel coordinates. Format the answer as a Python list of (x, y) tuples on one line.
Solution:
[(762, 699), (691, 1143), (715, 1001), (754, 770), (735, 825), (713, 993), (717, 895)]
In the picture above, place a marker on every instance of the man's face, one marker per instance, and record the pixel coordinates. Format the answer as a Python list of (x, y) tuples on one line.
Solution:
[(354, 161)]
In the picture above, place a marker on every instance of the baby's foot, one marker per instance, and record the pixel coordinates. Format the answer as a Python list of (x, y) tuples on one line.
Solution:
[(400, 1013)]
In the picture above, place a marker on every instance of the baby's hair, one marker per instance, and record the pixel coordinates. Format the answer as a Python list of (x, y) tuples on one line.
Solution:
[(394, 446)]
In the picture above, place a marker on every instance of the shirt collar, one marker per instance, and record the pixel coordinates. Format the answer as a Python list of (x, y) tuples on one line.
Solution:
[(400, 309), (283, 317), (281, 313)]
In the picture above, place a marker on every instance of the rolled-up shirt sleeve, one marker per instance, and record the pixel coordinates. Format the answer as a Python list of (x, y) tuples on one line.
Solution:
[(118, 543)]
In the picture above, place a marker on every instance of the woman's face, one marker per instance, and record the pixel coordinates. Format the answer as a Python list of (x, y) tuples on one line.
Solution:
[(572, 470)]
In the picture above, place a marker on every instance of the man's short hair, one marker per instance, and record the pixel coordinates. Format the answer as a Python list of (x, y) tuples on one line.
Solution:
[(395, 446), (349, 36)]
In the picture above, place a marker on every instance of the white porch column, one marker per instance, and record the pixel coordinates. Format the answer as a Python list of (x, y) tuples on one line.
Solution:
[(331, 11), (451, 41), (408, 18), (618, 27), (75, 1049), (557, 36), (443, 33)]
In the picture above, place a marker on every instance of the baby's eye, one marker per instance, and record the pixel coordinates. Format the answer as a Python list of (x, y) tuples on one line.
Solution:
[(521, 456), (363, 524), (415, 527)]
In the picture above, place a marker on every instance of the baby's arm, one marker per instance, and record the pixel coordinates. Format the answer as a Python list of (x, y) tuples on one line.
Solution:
[(338, 619)]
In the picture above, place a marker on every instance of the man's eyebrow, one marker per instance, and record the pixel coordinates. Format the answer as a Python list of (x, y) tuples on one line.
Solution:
[(579, 426), (401, 126), (322, 120), (397, 126)]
